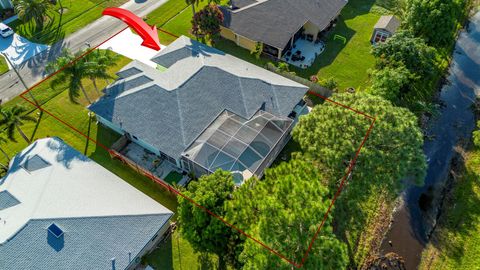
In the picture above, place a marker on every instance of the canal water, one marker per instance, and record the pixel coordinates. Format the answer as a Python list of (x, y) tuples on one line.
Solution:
[(455, 122)]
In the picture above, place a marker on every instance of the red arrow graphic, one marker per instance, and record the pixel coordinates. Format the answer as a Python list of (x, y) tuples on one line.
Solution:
[(147, 33)]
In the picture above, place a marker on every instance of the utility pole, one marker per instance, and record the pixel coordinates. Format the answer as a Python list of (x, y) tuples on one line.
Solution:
[(20, 77)]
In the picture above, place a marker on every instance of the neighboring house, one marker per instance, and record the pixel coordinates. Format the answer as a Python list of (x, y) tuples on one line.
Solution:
[(6, 4), (61, 210), (277, 23), (202, 109), (385, 28)]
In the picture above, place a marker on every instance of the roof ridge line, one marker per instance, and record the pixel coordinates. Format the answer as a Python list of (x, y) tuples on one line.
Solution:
[(242, 94), (182, 130), (103, 216), (257, 2)]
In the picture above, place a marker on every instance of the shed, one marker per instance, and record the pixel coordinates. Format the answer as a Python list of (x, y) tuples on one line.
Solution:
[(384, 28)]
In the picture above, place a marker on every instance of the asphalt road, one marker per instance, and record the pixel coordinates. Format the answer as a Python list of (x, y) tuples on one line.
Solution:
[(33, 70)]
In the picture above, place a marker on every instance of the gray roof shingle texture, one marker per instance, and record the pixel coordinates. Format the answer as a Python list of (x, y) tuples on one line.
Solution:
[(87, 243), (7, 200), (274, 22), (171, 120)]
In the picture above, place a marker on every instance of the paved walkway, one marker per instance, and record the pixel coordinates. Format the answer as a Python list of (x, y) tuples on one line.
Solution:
[(33, 70)]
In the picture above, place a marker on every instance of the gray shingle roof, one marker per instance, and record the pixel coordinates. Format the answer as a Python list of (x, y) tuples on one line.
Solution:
[(170, 112), (242, 3), (389, 23), (7, 200), (87, 243), (274, 22)]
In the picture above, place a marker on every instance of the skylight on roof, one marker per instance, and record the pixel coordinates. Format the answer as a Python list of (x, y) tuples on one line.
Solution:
[(55, 230), (35, 163)]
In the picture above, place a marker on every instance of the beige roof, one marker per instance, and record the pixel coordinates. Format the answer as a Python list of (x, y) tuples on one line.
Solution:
[(389, 23)]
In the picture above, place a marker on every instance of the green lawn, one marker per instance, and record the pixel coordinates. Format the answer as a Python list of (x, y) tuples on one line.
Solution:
[(173, 177), (166, 12), (348, 63), (3, 65), (456, 242), (174, 17), (176, 253), (75, 16)]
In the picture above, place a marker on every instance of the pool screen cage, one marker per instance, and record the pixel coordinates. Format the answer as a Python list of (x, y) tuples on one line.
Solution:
[(232, 143)]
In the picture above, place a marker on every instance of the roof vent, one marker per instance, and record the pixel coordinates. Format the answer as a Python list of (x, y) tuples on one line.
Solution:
[(55, 230), (35, 163)]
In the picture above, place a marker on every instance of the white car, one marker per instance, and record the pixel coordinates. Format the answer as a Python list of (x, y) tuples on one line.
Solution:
[(5, 30)]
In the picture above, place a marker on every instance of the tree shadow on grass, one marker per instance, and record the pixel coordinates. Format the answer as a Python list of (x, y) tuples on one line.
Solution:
[(356, 8), (36, 64), (39, 119), (205, 262), (162, 256)]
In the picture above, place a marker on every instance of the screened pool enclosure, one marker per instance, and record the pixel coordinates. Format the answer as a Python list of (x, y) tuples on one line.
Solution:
[(244, 147)]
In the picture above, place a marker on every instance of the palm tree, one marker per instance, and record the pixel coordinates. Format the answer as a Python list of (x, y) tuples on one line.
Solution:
[(2, 141), (13, 119), (193, 3), (73, 72), (32, 9), (99, 62)]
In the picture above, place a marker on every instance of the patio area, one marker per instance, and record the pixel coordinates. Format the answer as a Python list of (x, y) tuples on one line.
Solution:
[(304, 53), (153, 163)]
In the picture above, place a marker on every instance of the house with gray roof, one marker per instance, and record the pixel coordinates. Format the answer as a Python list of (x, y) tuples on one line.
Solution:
[(277, 24), (61, 210), (202, 109)]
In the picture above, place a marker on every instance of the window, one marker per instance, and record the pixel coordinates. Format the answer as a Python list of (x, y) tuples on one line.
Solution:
[(380, 36)]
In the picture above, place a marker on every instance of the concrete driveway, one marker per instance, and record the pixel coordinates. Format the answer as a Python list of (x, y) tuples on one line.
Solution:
[(19, 49), (127, 44)]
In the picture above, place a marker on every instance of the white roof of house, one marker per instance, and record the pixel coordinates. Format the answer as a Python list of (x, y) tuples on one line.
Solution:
[(71, 186)]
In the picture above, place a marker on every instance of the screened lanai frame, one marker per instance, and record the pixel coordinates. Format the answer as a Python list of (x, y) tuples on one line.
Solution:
[(236, 144)]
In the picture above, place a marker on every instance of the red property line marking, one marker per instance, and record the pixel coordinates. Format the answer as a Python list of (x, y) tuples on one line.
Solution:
[(344, 179), (170, 188)]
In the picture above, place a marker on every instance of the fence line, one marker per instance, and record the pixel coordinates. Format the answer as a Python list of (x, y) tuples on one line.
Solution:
[(314, 87), (132, 164)]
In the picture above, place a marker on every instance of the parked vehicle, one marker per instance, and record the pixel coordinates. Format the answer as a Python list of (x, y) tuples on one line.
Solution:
[(5, 30)]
